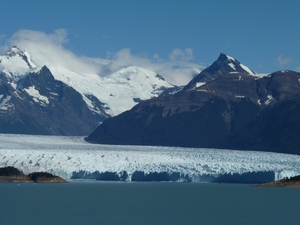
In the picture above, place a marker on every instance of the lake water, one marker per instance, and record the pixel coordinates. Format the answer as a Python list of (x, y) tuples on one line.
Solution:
[(147, 203)]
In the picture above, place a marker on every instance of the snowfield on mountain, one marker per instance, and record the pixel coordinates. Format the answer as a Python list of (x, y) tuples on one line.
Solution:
[(118, 92)]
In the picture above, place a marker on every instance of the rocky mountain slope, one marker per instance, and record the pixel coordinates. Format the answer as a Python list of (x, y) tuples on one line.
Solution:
[(275, 129), (39, 104), (225, 106), (40, 99)]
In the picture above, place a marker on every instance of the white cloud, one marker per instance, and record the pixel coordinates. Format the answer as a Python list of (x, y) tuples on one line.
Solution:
[(283, 61), (49, 49), (3, 48), (181, 55), (178, 72)]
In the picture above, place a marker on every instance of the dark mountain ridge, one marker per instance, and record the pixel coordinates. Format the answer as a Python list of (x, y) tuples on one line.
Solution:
[(226, 111)]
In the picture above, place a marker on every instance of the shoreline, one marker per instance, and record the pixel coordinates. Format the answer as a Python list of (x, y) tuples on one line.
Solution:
[(13, 175)]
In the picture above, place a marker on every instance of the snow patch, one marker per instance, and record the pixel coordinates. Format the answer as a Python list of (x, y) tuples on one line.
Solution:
[(232, 66), (29, 59), (284, 71), (260, 75), (199, 84), (91, 105), (37, 97), (247, 69), (270, 99), (5, 105), (230, 58), (14, 85), (202, 90)]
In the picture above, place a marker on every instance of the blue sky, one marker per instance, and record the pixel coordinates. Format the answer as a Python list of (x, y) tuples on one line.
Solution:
[(169, 36)]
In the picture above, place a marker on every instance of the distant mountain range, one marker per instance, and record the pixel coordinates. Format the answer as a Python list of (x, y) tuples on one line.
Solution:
[(225, 106), (40, 99)]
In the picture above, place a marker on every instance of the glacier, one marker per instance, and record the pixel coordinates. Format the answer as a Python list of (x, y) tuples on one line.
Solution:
[(72, 158)]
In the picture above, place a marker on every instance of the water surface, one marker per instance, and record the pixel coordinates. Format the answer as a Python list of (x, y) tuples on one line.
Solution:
[(147, 203)]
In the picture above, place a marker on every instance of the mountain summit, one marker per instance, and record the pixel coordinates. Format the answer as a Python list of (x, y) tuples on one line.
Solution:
[(16, 61), (223, 65), (16, 52)]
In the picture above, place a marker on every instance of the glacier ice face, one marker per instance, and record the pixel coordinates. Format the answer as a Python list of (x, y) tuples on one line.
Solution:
[(69, 156)]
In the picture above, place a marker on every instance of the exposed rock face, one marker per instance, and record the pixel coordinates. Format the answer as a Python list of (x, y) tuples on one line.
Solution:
[(42, 177), (275, 129), (42, 105), (233, 109), (11, 174)]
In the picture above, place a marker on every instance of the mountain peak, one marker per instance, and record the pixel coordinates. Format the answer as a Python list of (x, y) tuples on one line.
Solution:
[(14, 51), (234, 65), (224, 57), (16, 61), (225, 64)]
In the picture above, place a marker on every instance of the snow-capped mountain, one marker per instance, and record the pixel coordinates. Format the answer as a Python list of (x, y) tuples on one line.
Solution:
[(39, 104), (23, 81), (16, 62), (119, 91), (225, 106), (223, 65)]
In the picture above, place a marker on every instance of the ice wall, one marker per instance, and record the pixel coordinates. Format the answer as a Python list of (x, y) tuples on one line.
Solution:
[(72, 158), (248, 177)]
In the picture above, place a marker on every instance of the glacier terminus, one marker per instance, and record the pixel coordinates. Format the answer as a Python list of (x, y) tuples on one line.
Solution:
[(72, 158)]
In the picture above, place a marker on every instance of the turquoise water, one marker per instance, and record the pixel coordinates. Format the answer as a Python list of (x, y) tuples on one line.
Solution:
[(147, 203)]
